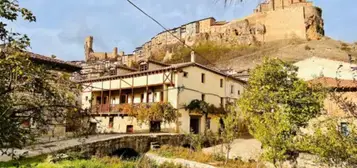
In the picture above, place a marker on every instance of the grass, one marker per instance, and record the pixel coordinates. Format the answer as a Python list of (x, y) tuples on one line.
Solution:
[(104, 162), (199, 156), (25, 162), (212, 52)]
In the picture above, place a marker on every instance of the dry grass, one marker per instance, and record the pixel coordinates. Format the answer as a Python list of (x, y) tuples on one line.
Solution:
[(198, 156), (212, 52)]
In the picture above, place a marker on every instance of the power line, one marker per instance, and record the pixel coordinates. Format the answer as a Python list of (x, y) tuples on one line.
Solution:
[(167, 30)]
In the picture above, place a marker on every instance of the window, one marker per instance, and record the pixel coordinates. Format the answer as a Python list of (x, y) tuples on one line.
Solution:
[(86, 98), (203, 78), (183, 29), (203, 97), (144, 67), (222, 101), (344, 128), (221, 83), (111, 122), (238, 92), (123, 99), (232, 89), (162, 96), (185, 74), (208, 123), (142, 98)]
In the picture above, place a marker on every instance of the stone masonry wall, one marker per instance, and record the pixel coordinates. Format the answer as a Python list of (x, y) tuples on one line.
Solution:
[(272, 20)]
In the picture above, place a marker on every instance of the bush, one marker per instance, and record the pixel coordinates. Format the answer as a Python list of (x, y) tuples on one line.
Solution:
[(308, 48)]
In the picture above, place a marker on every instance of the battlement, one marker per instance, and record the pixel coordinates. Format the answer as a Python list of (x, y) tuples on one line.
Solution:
[(271, 5)]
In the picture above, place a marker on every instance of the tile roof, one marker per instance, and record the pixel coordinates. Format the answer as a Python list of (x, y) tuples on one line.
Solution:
[(126, 68), (153, 61), (57, 62), (334, 83), (171, 67)]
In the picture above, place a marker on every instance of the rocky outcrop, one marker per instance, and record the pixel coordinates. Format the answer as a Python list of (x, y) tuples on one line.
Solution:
[(314, 24)]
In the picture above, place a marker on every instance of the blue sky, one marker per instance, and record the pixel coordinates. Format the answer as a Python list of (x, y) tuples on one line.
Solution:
[(62, 25)]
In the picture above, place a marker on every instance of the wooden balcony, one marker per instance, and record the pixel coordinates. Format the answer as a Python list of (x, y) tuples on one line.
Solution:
[(115, 108)]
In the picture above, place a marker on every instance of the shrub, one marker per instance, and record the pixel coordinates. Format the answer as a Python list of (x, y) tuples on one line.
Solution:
[(308, 48)]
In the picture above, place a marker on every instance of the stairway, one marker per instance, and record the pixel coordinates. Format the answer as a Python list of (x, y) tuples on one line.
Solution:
[(154, 145)]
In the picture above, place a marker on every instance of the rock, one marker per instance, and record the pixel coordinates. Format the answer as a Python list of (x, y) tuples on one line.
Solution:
[(57, 158)]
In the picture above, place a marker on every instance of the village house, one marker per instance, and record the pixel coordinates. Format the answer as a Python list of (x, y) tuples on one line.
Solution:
[(56, 66), (338, 77), (153, 82)]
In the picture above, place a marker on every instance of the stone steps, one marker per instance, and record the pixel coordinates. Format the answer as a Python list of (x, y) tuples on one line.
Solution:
[(154, 145)]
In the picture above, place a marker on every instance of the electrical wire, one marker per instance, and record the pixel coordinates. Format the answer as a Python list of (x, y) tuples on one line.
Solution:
[(167, 30)]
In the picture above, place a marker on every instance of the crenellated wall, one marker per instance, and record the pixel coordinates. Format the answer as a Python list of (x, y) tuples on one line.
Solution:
[(272, 20)]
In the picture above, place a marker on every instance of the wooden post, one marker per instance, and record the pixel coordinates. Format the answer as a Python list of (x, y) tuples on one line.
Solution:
[(91, 98), (147, 88), (110, 91), (119, 90), (101, 99), (132, 90)]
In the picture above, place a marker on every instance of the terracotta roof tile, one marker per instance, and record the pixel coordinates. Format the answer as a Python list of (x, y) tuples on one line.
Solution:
[(171, 67), (45, 59)]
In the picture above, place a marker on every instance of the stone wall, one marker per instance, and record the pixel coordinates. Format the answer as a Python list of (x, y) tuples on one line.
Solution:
[(271, 21), (139, 143)]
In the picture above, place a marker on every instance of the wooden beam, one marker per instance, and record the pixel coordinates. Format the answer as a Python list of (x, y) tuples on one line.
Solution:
[(101, 98), (119, 91), (110, 100), (147, 88), (132, 90)]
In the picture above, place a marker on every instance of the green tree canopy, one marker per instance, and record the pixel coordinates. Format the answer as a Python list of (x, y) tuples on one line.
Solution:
[(276, 104), (29, 92)]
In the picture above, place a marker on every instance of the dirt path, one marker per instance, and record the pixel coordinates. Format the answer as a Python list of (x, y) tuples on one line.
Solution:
[(246, 149)]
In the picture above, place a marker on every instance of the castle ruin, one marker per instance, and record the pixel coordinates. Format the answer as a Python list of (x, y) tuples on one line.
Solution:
[(272, 20)]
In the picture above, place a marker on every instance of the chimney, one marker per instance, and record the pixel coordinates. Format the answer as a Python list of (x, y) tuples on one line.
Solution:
[(121, 53), (193, 56), (115, 52)]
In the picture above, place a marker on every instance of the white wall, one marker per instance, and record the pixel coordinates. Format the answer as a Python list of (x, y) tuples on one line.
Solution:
[(316, 67)]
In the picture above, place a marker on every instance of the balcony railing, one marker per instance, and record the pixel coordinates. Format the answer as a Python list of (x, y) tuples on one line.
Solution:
[(115, 108)]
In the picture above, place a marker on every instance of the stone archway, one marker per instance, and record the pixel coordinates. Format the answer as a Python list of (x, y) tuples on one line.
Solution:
[(126, 153)]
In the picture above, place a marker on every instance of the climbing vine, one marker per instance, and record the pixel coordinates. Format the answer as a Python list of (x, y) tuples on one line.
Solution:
[(204, 108), (145, 113)]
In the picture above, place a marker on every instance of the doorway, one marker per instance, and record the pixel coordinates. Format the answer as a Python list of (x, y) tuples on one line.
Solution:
[(155, 126), (195, 125)]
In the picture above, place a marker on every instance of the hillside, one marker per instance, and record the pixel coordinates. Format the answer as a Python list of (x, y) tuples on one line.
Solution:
[(246, 57), (293, 52)]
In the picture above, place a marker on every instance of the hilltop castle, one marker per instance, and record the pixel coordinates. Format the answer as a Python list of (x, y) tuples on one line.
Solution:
[(272, 20)]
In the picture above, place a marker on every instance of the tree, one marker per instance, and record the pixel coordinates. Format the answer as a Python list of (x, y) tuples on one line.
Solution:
[(330, 144), (276, 104), (29, 92), (234, 125), (204, 108)]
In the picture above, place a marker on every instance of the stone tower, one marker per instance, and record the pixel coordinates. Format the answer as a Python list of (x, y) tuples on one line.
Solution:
[(88, 47)]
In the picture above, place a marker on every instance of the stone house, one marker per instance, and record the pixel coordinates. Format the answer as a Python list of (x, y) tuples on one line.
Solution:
[(177, 84), (56, 66)]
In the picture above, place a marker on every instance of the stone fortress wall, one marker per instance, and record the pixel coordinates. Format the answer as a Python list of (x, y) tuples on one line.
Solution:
[(272, 20)]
